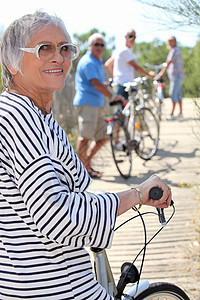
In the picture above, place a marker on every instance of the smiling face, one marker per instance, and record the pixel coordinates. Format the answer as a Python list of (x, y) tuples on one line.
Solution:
[(40, 77)]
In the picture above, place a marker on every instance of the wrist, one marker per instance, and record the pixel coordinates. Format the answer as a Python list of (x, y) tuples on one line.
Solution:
[(113, 97), (139, 193)]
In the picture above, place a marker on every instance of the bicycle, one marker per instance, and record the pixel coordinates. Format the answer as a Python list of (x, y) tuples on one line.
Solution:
[(157, 88), (134, 127), (143, 95), (141, 289)]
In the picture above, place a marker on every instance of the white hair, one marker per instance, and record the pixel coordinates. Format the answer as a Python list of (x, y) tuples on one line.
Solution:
[(18, 35), (94, 37)]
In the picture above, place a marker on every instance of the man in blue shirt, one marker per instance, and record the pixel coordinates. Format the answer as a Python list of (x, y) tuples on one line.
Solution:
[(89, 98)]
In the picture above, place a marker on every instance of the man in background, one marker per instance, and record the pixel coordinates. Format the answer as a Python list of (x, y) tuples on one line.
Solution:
[(89, 98), (122, 65)]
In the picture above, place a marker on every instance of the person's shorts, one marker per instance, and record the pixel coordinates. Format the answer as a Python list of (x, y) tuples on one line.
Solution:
[(120, 90), (175, 90), (91, 123)]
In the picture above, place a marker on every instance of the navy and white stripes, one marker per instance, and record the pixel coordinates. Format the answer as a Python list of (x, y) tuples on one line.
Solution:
[(46, 217)]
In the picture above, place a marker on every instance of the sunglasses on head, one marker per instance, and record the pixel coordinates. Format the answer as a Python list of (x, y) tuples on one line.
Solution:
[(98, 45), (46, 51)]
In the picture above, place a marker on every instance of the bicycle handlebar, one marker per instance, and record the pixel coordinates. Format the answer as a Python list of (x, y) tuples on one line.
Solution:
[(156, 193), (155, 67)]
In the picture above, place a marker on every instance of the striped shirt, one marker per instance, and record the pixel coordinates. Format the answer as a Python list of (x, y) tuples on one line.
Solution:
[(175, 69), (46, 216)]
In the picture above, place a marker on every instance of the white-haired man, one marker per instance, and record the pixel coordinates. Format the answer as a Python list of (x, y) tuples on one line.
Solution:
[(89, 97)]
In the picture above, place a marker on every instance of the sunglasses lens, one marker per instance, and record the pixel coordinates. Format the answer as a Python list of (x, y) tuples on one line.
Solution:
[(98, 44), (132, 36)]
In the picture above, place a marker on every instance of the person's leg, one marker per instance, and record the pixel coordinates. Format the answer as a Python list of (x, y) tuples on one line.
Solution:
[(100, 138), (173, 93), (82, 145), (173, 107), (86, 125), (180, 99), (180, 108), (94, 147)]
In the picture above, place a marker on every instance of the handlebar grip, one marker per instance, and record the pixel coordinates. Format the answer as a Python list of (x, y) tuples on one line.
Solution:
[(155, 193)]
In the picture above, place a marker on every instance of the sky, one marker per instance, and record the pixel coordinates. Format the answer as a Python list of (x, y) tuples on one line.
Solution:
[(114, 17)]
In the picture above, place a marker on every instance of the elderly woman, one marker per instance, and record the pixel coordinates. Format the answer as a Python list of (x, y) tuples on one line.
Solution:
[(47, 216)]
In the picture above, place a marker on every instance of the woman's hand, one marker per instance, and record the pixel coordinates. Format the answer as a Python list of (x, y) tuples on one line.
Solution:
[(131, 198), (155, 181)]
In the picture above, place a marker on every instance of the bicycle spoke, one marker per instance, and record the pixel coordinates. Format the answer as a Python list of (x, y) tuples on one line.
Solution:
[(147, 133), (120, 149)]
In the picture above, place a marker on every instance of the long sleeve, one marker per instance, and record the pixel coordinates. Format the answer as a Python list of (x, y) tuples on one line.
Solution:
[(71, 218), (46, 214)]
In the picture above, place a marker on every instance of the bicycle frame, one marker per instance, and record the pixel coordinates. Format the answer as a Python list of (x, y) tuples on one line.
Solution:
[(105, 277), (159, 86), (140, 289), (134, 109)]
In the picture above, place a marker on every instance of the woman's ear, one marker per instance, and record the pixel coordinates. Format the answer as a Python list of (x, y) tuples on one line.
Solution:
[(12, 70)]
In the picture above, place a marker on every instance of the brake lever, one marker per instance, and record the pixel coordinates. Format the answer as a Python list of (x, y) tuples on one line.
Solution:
[(156, 193)]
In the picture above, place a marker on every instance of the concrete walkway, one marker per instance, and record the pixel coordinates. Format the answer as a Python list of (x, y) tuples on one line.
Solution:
[(170, 257)]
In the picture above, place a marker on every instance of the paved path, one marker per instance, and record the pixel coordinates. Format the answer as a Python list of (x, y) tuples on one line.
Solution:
[(169, 257)]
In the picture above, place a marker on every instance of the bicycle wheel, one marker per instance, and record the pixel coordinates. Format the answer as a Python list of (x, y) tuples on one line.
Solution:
[(122, 156), (160, 110), (152, 105), (159, 96), (162, 291), (146, 133)]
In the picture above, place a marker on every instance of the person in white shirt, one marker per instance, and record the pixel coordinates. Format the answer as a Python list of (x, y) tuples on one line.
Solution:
[(122, 65)]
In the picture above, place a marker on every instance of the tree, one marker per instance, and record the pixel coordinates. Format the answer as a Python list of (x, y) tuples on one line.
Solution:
[(153, 53), (178, 13), (191, 87)]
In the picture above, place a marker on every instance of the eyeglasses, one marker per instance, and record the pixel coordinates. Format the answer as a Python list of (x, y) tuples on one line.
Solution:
[(130, 36), (98, 44), (45, 52)]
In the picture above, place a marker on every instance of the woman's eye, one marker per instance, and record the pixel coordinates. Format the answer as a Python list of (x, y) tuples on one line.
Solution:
[(65, 48), (45, 47)]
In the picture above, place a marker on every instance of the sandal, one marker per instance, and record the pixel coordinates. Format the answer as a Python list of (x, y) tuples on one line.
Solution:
[(94, 174)]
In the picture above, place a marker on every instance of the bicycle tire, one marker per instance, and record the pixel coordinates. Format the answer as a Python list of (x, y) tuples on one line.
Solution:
[(150, 104), (123, 157), (162, 290), (159, 103), (147, 132), (160, 110)]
